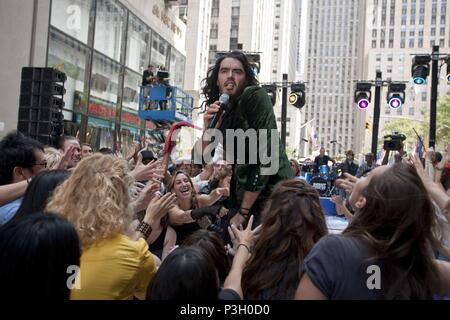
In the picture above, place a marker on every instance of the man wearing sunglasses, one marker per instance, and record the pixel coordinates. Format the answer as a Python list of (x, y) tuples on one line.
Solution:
[(21, 158)]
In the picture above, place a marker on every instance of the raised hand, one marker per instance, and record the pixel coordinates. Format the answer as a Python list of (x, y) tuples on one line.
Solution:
[(146, 194), (67, 155), (244, 236), (151, 171), (159, 206), (347, 182)]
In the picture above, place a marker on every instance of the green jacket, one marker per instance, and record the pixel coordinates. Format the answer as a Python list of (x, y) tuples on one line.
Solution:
[(254, 110)]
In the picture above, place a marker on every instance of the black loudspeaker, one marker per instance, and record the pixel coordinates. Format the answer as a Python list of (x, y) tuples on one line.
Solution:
[(41, 103)]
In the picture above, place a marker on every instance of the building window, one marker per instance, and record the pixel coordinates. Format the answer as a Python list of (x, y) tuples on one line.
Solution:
[(71, 57), (104, 85), (424, 96), (214, 31), (160, 51), (109, 26), (61, 19), (138, 50)]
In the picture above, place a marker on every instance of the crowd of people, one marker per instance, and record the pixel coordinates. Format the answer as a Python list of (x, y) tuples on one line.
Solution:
[(77, 223), (68, 208)]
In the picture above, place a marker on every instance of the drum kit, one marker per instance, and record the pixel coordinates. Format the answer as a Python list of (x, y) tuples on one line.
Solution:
[(323, 181)]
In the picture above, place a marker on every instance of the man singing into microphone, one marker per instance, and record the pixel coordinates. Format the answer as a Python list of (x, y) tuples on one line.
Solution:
[(249, 109)]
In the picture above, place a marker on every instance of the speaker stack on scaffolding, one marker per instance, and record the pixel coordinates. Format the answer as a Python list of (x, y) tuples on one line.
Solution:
[(41, 103)]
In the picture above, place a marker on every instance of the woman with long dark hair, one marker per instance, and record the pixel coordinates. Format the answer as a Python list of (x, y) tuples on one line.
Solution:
[(39, 191), (292, 223), (387, 250), (186, 274), (39, 254), (190, 212), (212, 245)]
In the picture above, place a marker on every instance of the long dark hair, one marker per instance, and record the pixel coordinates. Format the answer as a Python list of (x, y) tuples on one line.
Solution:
[(35, 254), (194, 202), (292, 223), (186, 274), (396, 223), (39, 191), (212, 245), (210, 89)]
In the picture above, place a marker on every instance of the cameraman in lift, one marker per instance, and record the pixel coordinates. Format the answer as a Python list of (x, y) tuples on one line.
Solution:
[(162, 79)]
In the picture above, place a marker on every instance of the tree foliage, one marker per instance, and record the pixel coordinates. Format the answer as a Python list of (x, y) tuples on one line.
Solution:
[(443, 121), (406, 126)]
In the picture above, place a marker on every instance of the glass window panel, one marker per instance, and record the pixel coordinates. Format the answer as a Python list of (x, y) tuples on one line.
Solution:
[(100, 133), (72, 17), (160, 50), (131, 90), (138, 53), (72, 123), (110, 22), (104, 86), (177, 65), (71, 57)]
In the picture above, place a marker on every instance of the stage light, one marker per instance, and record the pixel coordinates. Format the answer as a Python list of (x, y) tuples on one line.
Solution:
[(363, 101), (420, 69), (395, 102), (271, 90), (297, 98), (396, 95), (363, 95)]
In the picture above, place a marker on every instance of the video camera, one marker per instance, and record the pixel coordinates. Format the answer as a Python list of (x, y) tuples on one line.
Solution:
[(394, 141), (163, 74)]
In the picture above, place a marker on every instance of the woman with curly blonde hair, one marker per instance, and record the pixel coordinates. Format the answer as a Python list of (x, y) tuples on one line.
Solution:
[(95, 199)]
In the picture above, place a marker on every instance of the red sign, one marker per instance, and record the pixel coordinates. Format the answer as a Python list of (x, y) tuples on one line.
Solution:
[(130, 118), (101, 110)]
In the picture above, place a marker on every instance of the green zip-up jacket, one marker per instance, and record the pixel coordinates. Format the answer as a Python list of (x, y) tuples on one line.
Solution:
[(254, 110)]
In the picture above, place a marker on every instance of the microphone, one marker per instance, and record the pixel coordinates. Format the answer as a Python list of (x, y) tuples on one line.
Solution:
[(223, 101)]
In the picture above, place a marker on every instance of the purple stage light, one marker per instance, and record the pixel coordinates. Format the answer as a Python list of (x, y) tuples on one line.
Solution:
[(363, 103), (395, 103)]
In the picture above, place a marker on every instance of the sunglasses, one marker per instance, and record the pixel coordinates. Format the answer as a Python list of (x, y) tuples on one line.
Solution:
[(41, 164)]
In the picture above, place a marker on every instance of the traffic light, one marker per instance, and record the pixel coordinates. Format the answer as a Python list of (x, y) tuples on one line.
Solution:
[(396, 95), (297, 98), (363, 95), (420, 69)]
